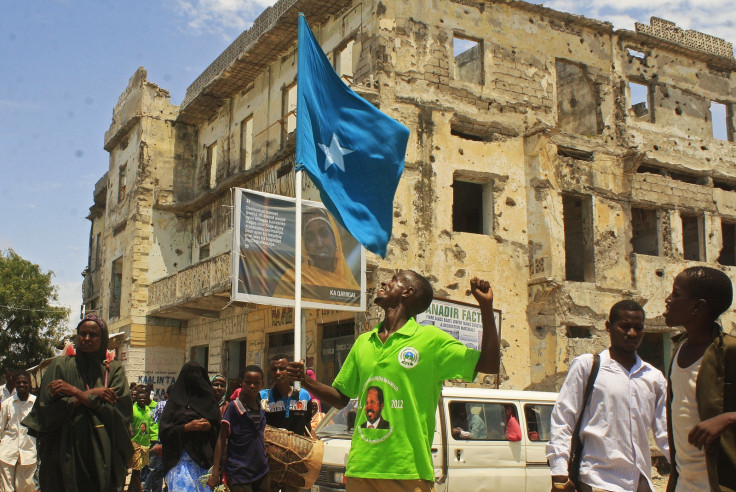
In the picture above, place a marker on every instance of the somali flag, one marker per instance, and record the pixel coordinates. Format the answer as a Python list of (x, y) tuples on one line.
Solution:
[(353, 152)]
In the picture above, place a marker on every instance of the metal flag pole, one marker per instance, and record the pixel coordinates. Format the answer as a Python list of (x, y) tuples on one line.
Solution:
[(298, 326)]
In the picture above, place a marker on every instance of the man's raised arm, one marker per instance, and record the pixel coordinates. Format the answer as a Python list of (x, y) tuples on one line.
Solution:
[(327, 394), (490, 351)]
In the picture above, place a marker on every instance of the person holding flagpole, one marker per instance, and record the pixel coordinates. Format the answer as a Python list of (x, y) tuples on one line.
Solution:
[(408, 363)]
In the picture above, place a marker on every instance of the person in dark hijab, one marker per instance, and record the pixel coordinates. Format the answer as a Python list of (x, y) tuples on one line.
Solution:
[(82, 417), (188, 429)]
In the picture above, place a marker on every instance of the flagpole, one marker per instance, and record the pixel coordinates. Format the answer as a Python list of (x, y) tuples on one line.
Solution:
[(298, 326)]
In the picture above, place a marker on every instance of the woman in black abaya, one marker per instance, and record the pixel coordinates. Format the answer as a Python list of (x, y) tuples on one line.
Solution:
[(188, 429)]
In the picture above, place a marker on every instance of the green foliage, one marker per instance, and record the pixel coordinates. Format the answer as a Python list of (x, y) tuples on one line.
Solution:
[(29, 325)]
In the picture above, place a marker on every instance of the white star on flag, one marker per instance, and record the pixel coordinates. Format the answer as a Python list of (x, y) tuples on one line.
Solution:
[(334, 154)]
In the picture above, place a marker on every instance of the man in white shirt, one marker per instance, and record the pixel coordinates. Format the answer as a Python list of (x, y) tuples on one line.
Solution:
[(8, 389), (628, 398), (17, 448)]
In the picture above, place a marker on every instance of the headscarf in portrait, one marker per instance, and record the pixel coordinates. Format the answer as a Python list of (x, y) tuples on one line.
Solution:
[(341, 277)]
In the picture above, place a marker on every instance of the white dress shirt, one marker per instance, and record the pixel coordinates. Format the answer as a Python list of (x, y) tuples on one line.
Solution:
[(614, 430), (5, 394), (16, 446)]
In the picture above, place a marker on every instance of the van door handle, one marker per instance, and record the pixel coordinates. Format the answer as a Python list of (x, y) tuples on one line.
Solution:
[(434, 450), (458, 453)]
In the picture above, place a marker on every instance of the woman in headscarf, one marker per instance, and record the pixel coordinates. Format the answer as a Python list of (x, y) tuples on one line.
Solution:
[(188, 429), (219, 387), (82, 417), (324, 267)]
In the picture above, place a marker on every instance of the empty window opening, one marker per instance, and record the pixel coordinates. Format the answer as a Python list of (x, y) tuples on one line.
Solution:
[(640, 97), (578, 100), (636, 54), (456, 132), (652, 349), (581, 155), (685, 178), (578, 223), (724, 185), (116, 287), (579, 331), (201, 355), (644, 231), (472, 207), (288, 122), (212, 165), (728, 251), (692, 238), (718, 115), (468, 55), (235, 352), (122, 181), (649, 170), (344, 61), (246, 143), (204, 251)]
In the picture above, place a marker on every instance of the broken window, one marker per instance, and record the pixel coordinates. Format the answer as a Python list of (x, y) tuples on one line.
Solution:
[(578, 223), (468, 56), (640, 101), (644, 231), (693, 247), (636, 54), (718, 118), (652, 349), (579, 332), (344, 61), (472, 207), (204, 251), (649, 169), (728, 251), (122, 181), (212, 165), (578, 100), (116, 286), (246, 143), (288, 122)]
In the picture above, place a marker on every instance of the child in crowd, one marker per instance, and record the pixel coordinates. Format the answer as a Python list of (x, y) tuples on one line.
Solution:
[(17, 448), (242, 439), (142, 429), (701, 400)]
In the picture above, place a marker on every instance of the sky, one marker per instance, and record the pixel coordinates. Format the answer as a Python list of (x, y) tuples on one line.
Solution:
[(64, 64)]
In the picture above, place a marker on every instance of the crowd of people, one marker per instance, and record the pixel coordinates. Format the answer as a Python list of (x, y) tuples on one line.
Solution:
[(90, 430)]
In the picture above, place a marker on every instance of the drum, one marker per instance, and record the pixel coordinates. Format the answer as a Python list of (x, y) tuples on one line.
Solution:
[(294, 460)]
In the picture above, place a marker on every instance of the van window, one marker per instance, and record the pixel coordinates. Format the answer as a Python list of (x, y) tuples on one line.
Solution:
[(538, 421), (484, 421)]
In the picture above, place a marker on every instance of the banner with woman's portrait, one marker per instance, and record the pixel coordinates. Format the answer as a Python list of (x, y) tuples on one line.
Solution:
[(333, 262)]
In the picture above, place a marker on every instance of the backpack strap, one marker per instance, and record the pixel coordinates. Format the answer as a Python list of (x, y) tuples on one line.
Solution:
[(576, 446)]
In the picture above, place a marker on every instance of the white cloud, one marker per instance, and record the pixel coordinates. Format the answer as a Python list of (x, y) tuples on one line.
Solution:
[(714, 17), (227, 17)]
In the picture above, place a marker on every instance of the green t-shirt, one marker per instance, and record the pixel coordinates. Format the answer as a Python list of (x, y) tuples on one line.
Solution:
[(142, 425), (407, 374)]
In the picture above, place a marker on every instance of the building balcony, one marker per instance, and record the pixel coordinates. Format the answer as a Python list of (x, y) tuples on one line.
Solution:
[(201, 290)]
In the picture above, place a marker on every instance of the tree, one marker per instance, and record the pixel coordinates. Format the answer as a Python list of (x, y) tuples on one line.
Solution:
[(30, 325)]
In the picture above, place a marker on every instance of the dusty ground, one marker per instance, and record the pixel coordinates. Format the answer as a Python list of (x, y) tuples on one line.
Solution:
[(659, 481)]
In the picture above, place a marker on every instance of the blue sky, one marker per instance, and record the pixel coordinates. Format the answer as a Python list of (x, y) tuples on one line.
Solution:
[(65, 62)]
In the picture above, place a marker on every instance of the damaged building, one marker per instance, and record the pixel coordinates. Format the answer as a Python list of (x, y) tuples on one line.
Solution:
[(569, 163)]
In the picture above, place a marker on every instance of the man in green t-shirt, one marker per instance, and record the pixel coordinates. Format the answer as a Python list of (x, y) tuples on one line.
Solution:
[(408, 363)]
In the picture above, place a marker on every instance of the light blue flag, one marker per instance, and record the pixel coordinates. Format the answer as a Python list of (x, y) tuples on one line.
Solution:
[(353, 152)]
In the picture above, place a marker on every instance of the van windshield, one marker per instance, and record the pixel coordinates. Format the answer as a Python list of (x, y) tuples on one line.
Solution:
[(338, 421)]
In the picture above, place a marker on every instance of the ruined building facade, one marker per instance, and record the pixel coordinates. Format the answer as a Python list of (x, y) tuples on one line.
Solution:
[(570, 163)]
